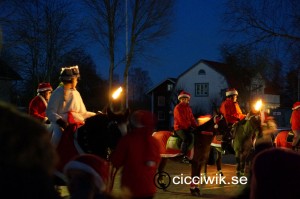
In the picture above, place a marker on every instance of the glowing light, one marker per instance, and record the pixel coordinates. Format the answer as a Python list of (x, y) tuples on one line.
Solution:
[(258, 105), (117, 93)]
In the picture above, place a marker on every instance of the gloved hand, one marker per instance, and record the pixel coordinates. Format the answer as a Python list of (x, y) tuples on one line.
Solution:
[(62, 123), (46, 120)]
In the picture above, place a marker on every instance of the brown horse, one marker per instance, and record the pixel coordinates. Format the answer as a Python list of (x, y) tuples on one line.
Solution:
[(269, 128), (99, 134), (203, 136), (245, 133)]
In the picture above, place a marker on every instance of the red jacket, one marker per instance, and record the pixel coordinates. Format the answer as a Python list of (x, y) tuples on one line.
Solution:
[(134, 151), (37, 108), (231, 111), (183, 117), (295, 119)]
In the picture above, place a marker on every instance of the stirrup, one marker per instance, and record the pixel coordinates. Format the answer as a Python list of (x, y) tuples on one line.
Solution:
[(185, 160)]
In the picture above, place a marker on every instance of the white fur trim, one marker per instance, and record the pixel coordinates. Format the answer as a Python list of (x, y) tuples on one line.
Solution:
[(84, 167), (296, 107), (233, 92), (183, 95)]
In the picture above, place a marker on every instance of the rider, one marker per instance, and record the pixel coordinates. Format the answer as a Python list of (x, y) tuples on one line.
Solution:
[(295, 124), (38, 105), (184, 122), (66, 105), (232, 112)]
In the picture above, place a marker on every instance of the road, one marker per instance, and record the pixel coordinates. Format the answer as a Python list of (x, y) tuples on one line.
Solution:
[(215, 189)]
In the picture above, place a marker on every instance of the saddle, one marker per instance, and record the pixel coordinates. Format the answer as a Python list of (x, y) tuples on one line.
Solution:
[(174, 142)]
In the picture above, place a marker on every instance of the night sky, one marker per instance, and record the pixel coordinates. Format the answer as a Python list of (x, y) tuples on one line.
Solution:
[(197, 34)]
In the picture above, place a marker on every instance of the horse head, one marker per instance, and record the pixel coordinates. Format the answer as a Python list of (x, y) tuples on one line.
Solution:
[(216, 125), (102, 132)]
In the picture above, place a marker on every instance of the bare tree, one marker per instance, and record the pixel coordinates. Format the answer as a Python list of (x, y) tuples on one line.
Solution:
[(107, 22), (139, 82), (146, 22), (265, 20), (40, 33)]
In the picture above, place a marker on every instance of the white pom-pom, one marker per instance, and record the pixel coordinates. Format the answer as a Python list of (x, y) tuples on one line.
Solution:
[(216, 126)]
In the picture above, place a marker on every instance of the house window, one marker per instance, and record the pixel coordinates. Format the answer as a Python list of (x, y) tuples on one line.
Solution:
[(201, 72), (170, 87), (161, 101), (161, 116), (201, 89)]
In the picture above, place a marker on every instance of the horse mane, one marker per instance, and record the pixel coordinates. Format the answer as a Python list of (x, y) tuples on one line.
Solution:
[(210, 125)]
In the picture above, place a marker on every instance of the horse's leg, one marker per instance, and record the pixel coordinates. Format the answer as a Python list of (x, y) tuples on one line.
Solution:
[(238, 163), (219, 163), (195, 172)]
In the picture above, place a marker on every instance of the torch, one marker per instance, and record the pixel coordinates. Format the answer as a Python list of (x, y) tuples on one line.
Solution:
[(115, 96), (258, 105)]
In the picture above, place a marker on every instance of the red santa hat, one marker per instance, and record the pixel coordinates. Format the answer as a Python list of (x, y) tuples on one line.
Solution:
[(143, 118), (93, 165), (231, 91), (296, 105), (44, 86), (184, 94)]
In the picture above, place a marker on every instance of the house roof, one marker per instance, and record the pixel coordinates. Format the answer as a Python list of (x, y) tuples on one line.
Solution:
[(221, 68), (171, 79), (7, 73)]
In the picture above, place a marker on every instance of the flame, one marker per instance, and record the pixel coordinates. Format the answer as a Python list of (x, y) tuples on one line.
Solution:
[(117, 93), (258, 105)]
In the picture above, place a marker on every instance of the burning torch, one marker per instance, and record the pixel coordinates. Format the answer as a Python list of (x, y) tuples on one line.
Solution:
[(117, 93), (258, 105), (115, 96)]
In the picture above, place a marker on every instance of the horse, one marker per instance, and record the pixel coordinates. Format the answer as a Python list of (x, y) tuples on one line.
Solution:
[(269, 129), (98, 135), (203, 136), (245, 134)]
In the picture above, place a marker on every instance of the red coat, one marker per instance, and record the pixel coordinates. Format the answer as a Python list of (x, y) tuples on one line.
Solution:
[(183, 117), (133, 153), (37, 108), (295, 120), (231, 111)]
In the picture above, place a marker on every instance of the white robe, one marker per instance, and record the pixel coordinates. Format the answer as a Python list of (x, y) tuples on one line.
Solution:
[(61, 102)]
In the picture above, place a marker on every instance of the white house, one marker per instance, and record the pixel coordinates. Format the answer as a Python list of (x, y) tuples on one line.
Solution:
[(207, 82)]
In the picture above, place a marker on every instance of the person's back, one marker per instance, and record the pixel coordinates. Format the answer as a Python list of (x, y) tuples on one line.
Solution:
[(139, 155), (27, 157), (275, 174)]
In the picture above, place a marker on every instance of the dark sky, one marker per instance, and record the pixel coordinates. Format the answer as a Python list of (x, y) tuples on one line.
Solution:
[(196, 35)]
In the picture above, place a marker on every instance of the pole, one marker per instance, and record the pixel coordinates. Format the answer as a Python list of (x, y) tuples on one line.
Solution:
[(126, 40)]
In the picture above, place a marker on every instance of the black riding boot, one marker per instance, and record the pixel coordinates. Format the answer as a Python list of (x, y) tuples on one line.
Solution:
[(184, 150)]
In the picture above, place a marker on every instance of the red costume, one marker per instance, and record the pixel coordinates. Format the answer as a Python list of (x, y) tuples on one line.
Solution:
[(183, 117), (295, 123), (37, 108), (231, 111), (38, 105), (139, 155)]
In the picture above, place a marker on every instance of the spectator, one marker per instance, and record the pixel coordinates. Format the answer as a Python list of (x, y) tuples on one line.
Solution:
[(184, 123), (27, 157), (139, 155), (88, 177), (38, 105), (275, 174), (295, 124)]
